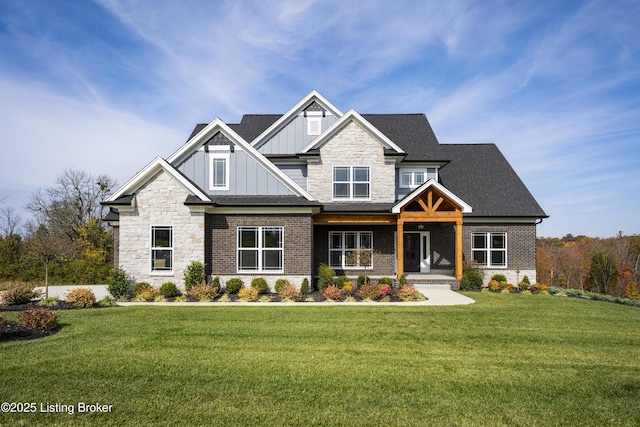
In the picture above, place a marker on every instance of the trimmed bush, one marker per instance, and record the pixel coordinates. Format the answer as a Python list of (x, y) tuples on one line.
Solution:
[(499, 277), (363, 280), (288, 292), (347, 288), (234, 285), (260, 283), (203, 292), (384, 289), (169, 290), (19, 293), (279, 284), (193, 274), (304, 288), (341, 280), (42, 319), (409, 293), (325, 276), (332, 292), (494, 285), (471, 278), (48, 302), (216, 282), (107, 301), (403, 280), (139, 287), (81, 298), (148, 294), (369, 291), (118, 283), (249, 294), (385, 281)]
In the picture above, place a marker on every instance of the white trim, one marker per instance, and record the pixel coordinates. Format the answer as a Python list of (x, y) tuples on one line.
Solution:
[(343, 250), (500, 220), (254, 210), (163, 272), (352, 115), (297, 109), (488, 249), (314, 125), (350, 183), (219, 126), (431, 183), (212, 158), (259, 248), (413, 171), (148, 172)]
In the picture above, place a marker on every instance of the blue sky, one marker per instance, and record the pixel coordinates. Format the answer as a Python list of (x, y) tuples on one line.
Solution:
[(106, 86)]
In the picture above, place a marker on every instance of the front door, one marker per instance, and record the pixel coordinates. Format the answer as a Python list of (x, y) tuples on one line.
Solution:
[(417, 252)]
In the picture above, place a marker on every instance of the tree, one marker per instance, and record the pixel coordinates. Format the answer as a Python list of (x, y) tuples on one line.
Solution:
[(43, 246), (10, 221), (604, 271), (72, 202)]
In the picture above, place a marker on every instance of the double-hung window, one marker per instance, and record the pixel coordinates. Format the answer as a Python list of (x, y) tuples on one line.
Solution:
[(489, 249), (219, 174), (260, 249), (161, 248), (351, 249), (351, 182)]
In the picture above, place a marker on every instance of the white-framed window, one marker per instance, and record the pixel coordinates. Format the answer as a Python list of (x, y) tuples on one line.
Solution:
[(413, 178), (260, 249), (314, 125), (351, 249), (161, 249), (489, 249), (352, 182), (219, 171)]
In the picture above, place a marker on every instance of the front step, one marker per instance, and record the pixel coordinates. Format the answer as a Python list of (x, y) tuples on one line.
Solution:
[(439, 283)]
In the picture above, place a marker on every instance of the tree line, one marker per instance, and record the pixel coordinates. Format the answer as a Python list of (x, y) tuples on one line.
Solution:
[(65, 241), (603, 265)]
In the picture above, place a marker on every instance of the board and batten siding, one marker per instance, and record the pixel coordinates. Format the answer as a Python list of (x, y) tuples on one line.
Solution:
[(246, 176), (293, 137)]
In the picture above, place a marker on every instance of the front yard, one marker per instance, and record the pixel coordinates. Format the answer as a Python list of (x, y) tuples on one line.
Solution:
[(506, 360)]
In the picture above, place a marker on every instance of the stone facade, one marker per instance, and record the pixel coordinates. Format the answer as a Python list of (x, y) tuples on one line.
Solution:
[(160, 203), (352, 146), (221, 245), (521, 249)]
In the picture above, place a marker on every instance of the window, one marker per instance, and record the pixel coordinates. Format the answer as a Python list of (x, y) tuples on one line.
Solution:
[(415, 178), (351, 249), (219, 175), (351, 182), (260, 249), (161, 249), (489, 249)]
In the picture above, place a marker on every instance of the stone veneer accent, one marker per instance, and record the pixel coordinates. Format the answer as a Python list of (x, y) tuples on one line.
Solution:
[(521, 249), (160, 203), (221, 245), (352, 146)]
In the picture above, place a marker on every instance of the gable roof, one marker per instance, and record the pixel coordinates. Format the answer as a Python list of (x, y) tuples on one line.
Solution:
[(352, 116), (218, 125), (124, 194), (440, 188), (312, 97), (479, 174)]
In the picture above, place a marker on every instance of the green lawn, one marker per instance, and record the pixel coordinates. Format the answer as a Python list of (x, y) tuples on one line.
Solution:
[(512, 360)]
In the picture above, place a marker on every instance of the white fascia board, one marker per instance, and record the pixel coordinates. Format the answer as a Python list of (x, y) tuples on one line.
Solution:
[(500, 220), (297, 109), (352, 115), (142, 177), (432, 183), (219, 126)]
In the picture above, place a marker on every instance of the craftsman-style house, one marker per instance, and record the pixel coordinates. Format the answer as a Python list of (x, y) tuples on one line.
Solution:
[(276, 195)]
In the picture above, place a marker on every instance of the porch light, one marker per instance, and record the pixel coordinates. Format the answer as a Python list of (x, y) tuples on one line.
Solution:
[(420, 226)]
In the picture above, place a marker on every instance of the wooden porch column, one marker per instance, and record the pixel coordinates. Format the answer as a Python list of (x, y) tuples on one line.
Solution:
[(400, 247), (458, 266)]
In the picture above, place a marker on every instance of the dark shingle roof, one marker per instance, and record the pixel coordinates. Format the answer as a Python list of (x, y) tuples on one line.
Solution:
[(290, 201), (358, 207), (252, 125), (481, 176)]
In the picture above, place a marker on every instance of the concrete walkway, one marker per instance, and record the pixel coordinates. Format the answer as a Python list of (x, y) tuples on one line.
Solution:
[(440, 295)]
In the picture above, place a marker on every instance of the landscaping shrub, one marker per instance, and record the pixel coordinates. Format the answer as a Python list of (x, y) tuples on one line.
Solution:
[(499, 277), (148, 294), (347, 288), (81, 298), (48, 302), (325, 276), (385, 281), (2, 322), (216, 282), (369, 291), (139, 287), (304, 288), (288, 292), (471, 278), (169, 290), (403, 280), (362, 279), (332, 292), (19, 293), (249, 294), (42, 319), (234, 285), (384, 289), (409, 293), (526, 281), (118, 283), (107, 301), (193, 274), (341, 280), (279, 284), (494, 285), (632, 291), (260, 283), (203, 292)]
